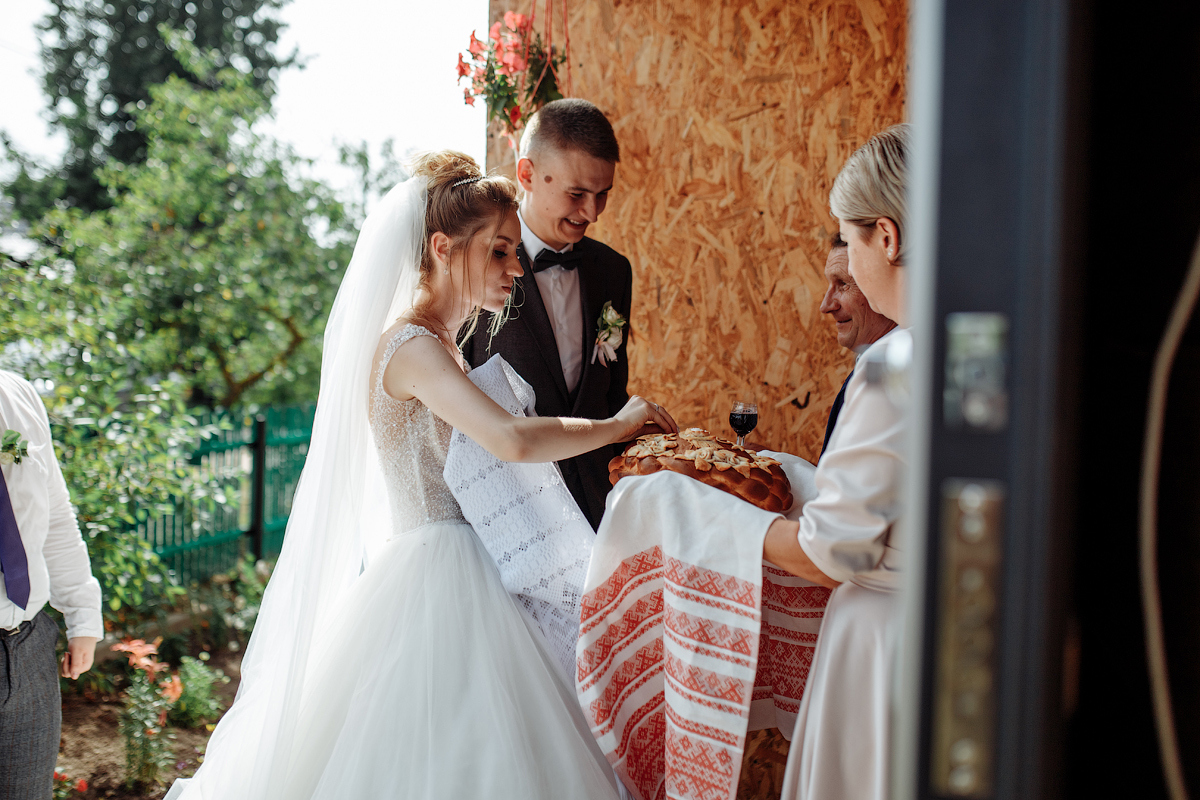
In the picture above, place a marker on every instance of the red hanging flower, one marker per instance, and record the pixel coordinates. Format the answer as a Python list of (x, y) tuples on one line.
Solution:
[(81, 786), (475, 48), (513, 71), (518, 23), (513, 61)]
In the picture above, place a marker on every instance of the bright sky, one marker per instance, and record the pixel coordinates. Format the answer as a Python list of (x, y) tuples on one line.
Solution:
[(377, 69)]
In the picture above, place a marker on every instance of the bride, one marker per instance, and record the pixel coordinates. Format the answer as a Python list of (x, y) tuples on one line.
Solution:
[(388, 660)]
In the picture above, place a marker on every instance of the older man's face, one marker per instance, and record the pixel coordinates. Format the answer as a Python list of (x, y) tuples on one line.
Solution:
[(857, 325)]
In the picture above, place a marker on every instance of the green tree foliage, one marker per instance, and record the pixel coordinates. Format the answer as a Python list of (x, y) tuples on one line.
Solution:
[(207, 283), (209, 251), (100, 58), (122, 435)]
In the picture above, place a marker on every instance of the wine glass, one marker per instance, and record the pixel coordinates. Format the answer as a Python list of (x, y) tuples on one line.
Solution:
[(743, 419)]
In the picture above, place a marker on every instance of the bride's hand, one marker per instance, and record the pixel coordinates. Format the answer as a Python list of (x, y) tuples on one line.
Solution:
[(640, 417)]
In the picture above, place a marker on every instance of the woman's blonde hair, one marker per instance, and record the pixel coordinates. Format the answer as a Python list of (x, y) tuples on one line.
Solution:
[(462, 201), (873, 182)]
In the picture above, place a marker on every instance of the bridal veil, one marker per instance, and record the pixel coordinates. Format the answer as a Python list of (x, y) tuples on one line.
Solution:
[(339, 517)]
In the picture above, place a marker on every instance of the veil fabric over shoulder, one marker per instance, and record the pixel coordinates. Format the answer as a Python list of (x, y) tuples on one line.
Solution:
[(340, 515)]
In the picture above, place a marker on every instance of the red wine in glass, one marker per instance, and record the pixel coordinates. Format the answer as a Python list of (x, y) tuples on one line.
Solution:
[(743, 419)]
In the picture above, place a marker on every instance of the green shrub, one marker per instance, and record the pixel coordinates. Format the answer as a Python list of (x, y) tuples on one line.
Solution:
[(225, 608), (197, 705)]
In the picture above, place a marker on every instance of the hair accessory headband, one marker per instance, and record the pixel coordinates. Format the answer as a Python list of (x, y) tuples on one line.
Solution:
[(456, 184)]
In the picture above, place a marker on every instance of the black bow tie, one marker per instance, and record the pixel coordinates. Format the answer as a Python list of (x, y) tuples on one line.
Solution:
[(548, 258)]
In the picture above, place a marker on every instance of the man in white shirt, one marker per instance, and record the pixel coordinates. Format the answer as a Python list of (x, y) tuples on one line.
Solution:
[(43, 559), (567, 162)]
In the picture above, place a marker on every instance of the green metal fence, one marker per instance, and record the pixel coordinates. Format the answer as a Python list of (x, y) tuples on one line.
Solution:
[(256, 462)]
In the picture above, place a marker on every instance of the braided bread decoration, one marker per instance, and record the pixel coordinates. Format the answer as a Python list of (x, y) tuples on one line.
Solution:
[(719, 463)]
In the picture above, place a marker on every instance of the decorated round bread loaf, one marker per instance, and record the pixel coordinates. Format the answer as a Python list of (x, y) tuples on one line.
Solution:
[(719, 463)]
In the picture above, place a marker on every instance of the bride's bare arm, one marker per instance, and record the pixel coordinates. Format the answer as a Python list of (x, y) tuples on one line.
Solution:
[(422, 368)]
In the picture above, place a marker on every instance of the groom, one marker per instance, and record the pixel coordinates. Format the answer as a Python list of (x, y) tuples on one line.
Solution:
[(566, 164)]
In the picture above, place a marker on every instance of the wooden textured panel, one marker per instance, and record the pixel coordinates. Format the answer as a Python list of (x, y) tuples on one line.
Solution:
[(733, 116)]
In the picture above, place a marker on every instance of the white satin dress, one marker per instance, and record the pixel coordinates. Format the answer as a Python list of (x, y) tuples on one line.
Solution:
[(434, 686), (841, 745)]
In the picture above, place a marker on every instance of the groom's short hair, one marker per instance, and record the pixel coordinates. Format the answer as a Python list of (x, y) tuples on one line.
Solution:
[(571, 124)]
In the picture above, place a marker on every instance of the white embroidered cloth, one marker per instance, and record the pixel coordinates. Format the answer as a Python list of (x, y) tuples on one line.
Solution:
[(526, 518), (672, 645), (793, 610)]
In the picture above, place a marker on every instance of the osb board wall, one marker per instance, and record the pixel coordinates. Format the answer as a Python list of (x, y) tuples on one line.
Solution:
[(734, 117)]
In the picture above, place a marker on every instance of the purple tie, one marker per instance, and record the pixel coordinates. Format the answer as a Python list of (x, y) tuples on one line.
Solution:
[(12, 552)]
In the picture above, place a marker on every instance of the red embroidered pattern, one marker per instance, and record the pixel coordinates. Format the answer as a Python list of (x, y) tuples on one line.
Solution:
[(619, 582), (699, 769), (709, 632), (654, 706), (789, 670), (691, 726), (632, 674), (707, 683), (721, 655), (777, 633), (791, 599), (645, 766), (660, 748), (633, 623), (712, 583)]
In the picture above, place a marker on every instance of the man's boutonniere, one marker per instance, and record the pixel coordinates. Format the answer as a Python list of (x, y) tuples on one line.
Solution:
[(13, 448), (608, 334)]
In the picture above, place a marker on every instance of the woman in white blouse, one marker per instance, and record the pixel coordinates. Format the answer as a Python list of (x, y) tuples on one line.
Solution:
[(846, 536)]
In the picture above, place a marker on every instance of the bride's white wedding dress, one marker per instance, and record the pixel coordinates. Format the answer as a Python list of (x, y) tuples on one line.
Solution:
[(388, 662), (433, 685)]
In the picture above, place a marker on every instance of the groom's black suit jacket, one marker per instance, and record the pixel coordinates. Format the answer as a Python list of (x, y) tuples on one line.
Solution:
[(527, 343)]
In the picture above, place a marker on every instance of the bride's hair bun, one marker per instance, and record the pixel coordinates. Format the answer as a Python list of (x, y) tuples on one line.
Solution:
[(462, 199)]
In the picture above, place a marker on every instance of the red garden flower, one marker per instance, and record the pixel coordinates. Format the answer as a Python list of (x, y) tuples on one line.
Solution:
[(141, 655), (172, 689), (81, 786)]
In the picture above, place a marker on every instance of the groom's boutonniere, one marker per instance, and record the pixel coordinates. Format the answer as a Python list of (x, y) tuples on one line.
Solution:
[(608, 334), (13, 448)]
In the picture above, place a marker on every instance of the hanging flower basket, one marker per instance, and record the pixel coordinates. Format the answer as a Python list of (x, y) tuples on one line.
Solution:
[(514, 72)]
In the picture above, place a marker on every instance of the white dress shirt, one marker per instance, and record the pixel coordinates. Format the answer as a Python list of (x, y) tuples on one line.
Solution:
[(560, 294), (59, 570)]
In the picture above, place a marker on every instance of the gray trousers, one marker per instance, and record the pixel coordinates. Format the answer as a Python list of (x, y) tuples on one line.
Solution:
[(30, 710)]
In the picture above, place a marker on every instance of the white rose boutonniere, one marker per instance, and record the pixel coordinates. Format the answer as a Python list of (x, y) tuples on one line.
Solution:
[(13, 448), (608, 334)]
